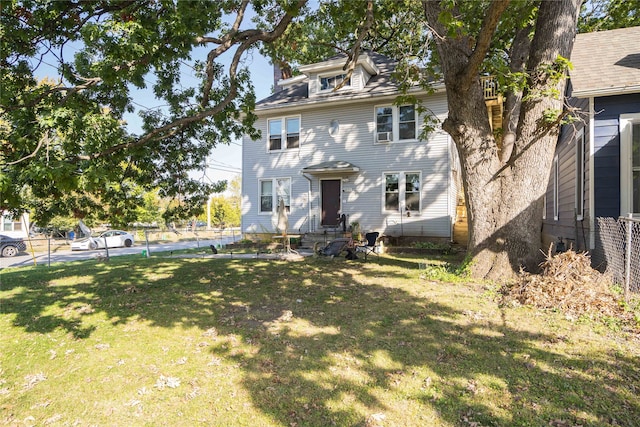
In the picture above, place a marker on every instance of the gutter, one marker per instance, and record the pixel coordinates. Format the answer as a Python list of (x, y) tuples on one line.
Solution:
[(590, 93), (592, 202), (309, 103)]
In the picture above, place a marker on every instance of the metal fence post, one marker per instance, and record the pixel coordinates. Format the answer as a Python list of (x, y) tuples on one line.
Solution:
[(627, 266), (146, 239), (49, 252), (106, 247)]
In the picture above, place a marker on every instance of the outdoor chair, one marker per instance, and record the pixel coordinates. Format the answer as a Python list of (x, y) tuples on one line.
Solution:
[(335, 247), (371, 244)]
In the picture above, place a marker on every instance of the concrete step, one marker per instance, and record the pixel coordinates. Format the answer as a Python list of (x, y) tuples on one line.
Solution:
[(321, 238)]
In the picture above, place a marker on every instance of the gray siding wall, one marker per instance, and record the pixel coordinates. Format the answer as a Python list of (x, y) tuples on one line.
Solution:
[(362, 192), (607, 151), (607, 161), (574, 232), (606, 164)]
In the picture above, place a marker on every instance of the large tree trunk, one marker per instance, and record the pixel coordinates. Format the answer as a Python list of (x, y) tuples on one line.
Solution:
[(504, 193)]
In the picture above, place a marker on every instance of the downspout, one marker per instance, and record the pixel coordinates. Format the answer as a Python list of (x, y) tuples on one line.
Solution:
[(452, 210), (308, 201), (592, 202)]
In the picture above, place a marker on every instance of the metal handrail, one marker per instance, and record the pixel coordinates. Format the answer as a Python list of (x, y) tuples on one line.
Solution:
[(306, 219)]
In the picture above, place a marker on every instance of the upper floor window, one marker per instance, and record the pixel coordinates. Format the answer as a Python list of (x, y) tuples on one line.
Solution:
[(289, 133), (331, 82), (407, 122), (395, 123), (402, 191)]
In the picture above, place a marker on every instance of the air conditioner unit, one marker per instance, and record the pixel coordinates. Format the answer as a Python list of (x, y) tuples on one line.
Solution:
[(384, 136)]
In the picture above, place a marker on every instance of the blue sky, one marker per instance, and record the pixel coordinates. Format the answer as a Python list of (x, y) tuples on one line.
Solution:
[(225, 160)]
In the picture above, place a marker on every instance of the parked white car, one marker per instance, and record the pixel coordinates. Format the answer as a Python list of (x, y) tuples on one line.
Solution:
[(114, 238)]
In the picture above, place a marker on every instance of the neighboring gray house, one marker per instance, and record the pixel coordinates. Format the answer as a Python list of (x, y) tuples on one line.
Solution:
[(596, 171), (350, 152)]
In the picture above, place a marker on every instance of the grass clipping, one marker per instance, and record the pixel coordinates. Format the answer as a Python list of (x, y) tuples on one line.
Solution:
[(567, 283)]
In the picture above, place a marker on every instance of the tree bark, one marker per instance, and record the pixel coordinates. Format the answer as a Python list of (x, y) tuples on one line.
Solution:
[(504, 194)]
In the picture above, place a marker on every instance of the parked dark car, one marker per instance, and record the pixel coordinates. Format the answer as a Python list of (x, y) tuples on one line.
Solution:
[(10, 246)]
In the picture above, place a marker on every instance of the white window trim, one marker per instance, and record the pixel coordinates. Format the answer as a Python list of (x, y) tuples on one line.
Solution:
[(260, 211), (401, 192), (395, 115), (556, 188), (8, 219), (626, 171), (334, 74), (274, 195), (580, 174), (283, 133)]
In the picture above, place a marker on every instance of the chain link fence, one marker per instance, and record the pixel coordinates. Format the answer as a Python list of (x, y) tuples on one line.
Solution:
[(620, 251), (43, 249)]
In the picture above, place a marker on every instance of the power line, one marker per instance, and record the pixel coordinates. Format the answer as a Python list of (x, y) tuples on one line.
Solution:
[(231, 169), (222, 163)]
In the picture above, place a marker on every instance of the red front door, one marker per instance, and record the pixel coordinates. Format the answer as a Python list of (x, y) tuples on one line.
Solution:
[(330, 193)]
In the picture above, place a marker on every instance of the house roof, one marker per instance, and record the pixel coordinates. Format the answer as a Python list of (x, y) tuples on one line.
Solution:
[(294, 93), (606, 63)]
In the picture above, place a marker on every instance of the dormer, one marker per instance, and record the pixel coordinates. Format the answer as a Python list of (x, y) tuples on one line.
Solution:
[(324, 77)]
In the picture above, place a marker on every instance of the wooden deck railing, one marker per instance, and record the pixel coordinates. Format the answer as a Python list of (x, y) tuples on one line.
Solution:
[(489, 87)]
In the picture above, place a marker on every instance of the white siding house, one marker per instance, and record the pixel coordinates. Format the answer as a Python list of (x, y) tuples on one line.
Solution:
[(351, 152), (14, 227)]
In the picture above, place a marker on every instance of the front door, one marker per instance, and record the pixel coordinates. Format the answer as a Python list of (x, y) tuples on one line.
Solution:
[(330, 192)]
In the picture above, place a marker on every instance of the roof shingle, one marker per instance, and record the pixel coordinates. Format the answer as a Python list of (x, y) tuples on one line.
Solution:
[(606, 62)]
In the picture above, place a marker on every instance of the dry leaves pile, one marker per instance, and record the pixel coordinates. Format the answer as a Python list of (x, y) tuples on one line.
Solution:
[(567, 283)]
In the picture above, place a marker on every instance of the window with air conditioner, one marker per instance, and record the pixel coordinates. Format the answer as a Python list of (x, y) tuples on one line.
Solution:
[(396, 123)]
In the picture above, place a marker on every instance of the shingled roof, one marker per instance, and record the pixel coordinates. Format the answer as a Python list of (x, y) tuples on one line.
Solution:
[(298, 93), (606, 63)]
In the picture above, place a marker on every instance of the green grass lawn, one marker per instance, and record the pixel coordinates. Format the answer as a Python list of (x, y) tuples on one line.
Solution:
[(321, 342)]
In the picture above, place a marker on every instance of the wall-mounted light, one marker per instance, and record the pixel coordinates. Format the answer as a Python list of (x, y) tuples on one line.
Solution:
[(334, 127)]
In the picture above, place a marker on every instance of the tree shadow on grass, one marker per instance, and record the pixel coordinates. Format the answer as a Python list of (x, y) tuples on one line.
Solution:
[(337, 343)]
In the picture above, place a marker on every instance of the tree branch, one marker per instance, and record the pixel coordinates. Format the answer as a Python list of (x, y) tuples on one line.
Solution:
[(519, 54), (172, 128), (483, 41), (245, 38), (354, 53), (45, 138), (559, 17)]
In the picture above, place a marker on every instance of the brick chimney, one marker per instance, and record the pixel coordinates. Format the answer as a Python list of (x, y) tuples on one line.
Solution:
[(277, 75), (281, 71)]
